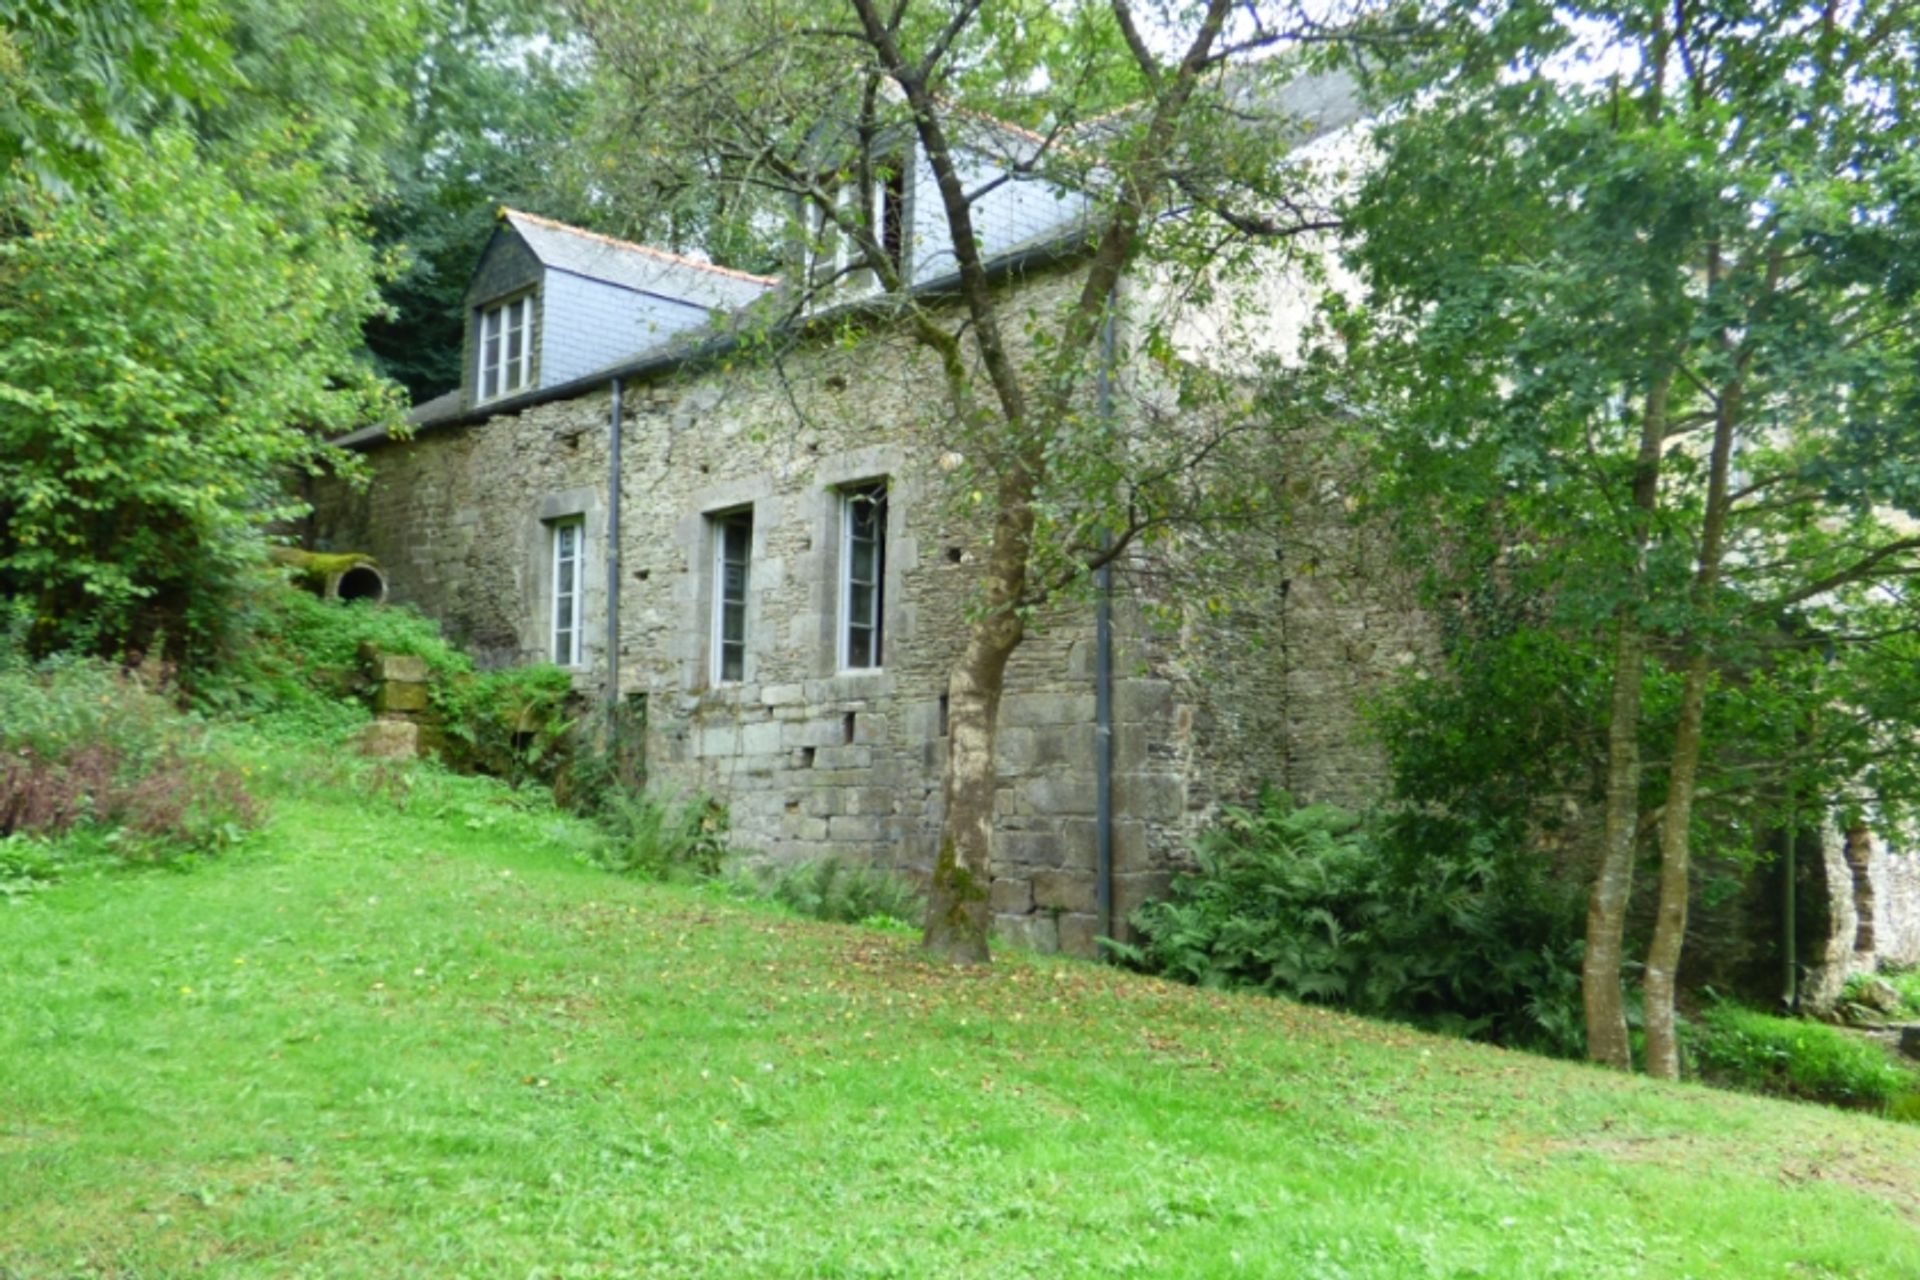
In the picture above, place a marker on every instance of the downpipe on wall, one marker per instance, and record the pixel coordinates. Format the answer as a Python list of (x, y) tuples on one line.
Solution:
[(613, 562), (1103, 670)]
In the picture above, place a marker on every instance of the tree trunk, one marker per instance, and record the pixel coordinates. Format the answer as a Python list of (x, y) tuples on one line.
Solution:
[(1613, 883), (957, 907), (1600, 987), (1670, 920)]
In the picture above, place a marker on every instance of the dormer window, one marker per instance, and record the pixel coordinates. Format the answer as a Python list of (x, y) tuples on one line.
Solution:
[(835, 253), (506, 348)]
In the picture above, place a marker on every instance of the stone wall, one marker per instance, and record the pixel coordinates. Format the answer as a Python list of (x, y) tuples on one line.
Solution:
[(810, 760)]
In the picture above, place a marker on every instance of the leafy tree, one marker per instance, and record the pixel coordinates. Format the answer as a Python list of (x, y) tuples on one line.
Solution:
[(495, 97), (776, 120), (173, 338), (1650, 335), (79, 79)]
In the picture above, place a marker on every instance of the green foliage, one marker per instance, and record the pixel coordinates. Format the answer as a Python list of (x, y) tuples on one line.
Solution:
[(1740, 1048), (172, 343), (513, 723), (300, 669), (835, 891), (539, 1063), (78, 81), (496, 94), (1407, 920), (661, 838), (296, 662), (94, 761), (1856, 1007)]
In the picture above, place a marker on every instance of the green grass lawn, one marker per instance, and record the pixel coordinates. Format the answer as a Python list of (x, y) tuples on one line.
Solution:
[(433, 1042)]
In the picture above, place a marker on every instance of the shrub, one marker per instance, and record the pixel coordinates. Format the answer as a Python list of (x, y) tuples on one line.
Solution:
[(174, 340), (512, 723), (1396, 920), (301, 672), (298, 666), (661, 838), (87, 748), (836, 891), (1740, 1048)]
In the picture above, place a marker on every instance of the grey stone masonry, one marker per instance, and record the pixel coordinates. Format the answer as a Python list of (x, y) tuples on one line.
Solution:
[(810, 759)]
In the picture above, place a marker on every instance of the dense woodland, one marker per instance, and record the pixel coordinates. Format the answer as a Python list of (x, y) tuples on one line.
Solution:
[(1632, 354)]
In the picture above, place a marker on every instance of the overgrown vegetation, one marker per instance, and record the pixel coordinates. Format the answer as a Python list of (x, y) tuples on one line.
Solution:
[(1740, 1048), (144, 448), (1397, 919), (301, 669), (834, 890), (97, 763)]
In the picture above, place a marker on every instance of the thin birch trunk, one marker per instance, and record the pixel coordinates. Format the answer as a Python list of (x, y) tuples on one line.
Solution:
[(1670, 919), (1600, 985)]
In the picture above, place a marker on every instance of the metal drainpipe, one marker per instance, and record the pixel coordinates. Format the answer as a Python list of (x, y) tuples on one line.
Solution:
[(1103, 675), (613, 560)]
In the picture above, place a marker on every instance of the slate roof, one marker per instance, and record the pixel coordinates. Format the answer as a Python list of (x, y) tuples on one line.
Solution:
[(635, 266), (1311, 105)]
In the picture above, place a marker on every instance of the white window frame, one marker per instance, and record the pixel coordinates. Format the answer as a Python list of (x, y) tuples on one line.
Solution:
[(889, 195), (500, 323), (721, 523), (851, 495), (564, 613)]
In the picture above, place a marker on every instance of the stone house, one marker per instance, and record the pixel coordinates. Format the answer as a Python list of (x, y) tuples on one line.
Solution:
[(761, 559)]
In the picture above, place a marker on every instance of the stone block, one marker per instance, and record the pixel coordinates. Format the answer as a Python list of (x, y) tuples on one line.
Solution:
[(798, 826), (1142, 700), (1036, 932), (1024, 709), (824, 802), (1062, 890), (856, 828), (1015, 750), (400, 696), (390, 740), (1079, 934), (813, 733), (843, 758), (407, 667), (1009, 896), (1130, 851), (1133, 890), (1027, 848), (1058, 793), (1150, 795), (1067, 744), (760, 739), (778, 695)]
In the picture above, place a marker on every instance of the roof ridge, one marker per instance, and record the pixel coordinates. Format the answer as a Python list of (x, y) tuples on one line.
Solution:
[(649, 250)]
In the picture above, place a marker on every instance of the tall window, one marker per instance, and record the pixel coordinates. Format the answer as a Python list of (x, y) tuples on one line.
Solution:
[(569, 555), (506, 348), (732, 550), (863, 561)]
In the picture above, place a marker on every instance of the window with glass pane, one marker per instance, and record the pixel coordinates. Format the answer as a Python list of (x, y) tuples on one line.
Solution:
[(567, 555), (506, 348), (863, 523), (732, 552)]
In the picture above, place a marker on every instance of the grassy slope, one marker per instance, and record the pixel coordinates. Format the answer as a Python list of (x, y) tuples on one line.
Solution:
[(435, 1044)]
